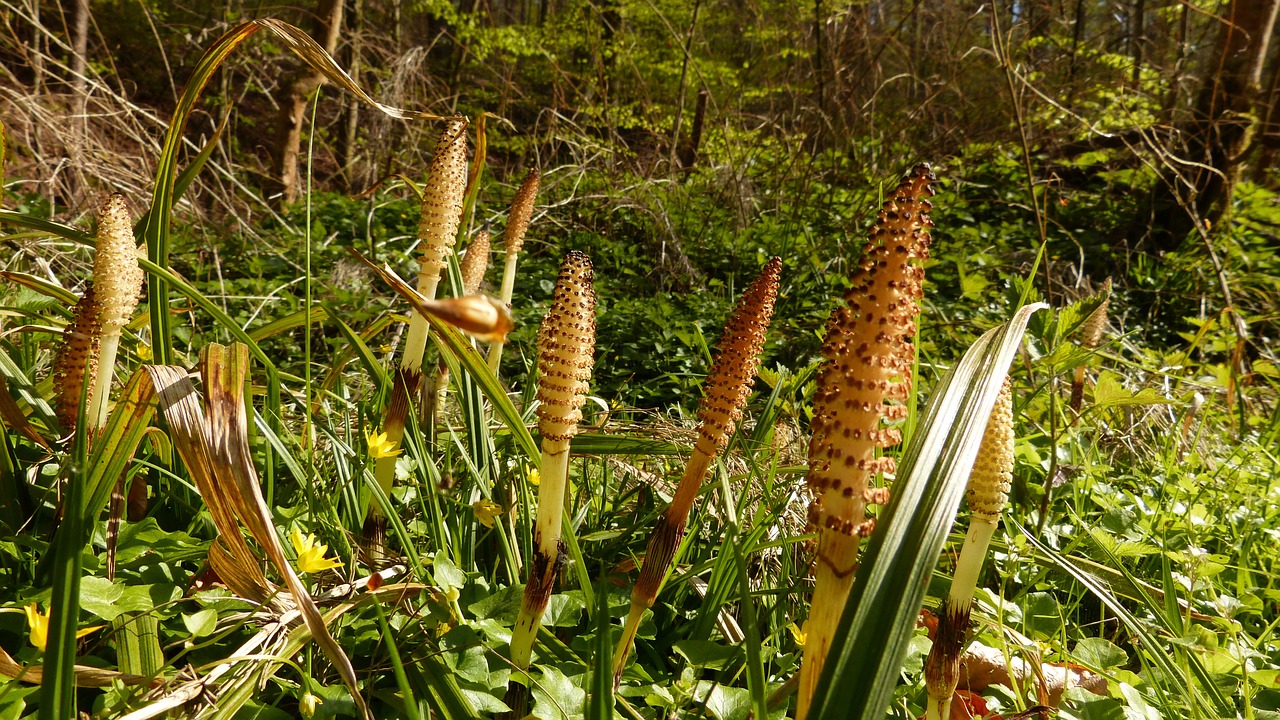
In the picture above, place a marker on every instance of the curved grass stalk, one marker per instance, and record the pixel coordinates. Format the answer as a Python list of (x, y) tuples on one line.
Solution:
[(865, 382), (512, 240), (988, 492), (437, 230), (727, 386), (566, 342)]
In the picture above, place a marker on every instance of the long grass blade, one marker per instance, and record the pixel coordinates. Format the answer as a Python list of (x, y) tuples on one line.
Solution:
[(57, 697)]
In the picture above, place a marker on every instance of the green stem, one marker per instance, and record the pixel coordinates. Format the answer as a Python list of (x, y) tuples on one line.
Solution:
[(543, 568), (508, 289)]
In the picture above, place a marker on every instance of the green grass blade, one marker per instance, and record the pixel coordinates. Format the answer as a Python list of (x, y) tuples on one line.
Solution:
[(452, 342), (156, 231), (880, 617), (597, 444), (751, 627), (600, 693), (113, 449), (440, 689), (42, 286), (397, 667), (289, 322), (56, 229), (58, 691), (362, 350)]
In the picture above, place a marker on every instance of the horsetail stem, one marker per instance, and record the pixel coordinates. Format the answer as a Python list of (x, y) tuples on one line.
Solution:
[(512, 240), (989, 484), (726, 389), (77, 357), (566, 341), (437, 232), (865, 381), (118, 282), (1090, 335)]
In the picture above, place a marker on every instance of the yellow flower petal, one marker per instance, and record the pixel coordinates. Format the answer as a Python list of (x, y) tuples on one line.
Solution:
[(380, 446), (533, 477), (311, 555), (486, 511), (38, 625), (797, 634)]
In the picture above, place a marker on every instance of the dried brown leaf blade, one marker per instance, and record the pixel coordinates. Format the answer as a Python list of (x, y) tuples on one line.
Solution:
[(479, 316), (216, 450)]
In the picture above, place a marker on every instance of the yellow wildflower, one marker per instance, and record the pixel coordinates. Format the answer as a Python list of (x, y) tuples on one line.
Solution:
[(144, 351), (38, 625), (307, 705), (797, 634), (380, 446), (533, 477), (486, 511), (311, 554)]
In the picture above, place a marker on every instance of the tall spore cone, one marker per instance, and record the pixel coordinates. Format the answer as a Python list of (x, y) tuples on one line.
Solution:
[(437, 232), (77, 357), (474, 263), (566, 341), (512, 240), (1090, 335), (725, 393), (118, 280), (988, 493), (442, 203), (865, 382)]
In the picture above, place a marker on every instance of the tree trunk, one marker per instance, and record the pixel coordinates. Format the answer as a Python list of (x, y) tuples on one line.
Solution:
[(1269, 130), (1077, 33), (1137, 38), (327, 25), (350, 130), (819, 64), (689, 149), (1174, 95), (1219, 133), (684, 75), (79, 45)]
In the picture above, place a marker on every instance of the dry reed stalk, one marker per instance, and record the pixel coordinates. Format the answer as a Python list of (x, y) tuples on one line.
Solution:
[(865, 382), (1090, 335), (437, 231), (118, 282), (512, 240), (566, 341), (727, 386), (989, 484)]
